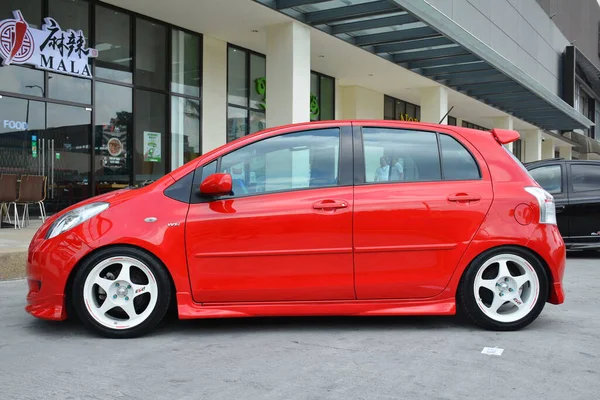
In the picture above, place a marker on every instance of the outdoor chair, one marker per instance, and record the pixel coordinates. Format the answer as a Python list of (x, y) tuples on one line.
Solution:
[(8, 198), (32, 191)]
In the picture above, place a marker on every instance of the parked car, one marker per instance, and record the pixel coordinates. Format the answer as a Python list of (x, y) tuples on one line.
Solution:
[(575, 186), (325, 218)]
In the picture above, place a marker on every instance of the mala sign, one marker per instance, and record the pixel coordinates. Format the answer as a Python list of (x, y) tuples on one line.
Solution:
[(50, 48)]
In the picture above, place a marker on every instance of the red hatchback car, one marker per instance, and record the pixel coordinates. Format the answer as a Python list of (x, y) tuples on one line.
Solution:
[(326, 218)]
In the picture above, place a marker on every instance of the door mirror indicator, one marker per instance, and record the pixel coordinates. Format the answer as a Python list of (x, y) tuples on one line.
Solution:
[(216, 185)]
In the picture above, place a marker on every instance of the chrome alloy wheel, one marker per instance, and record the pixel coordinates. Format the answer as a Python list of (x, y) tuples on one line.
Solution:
[(506, 288), (120, 292)]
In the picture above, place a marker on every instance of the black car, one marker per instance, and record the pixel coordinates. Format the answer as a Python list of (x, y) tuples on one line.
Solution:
[(575, 185)]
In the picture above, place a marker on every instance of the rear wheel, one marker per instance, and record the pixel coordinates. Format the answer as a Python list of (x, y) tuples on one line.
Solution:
[(504, 289), (121, 292)]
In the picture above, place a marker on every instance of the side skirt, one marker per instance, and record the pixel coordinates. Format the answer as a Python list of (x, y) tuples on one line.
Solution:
[(187, 309)]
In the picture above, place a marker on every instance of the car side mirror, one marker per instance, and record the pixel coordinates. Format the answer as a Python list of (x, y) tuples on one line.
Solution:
[(216, 185)]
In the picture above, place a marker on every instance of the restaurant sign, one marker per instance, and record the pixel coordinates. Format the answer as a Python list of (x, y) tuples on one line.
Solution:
[(50, 48)]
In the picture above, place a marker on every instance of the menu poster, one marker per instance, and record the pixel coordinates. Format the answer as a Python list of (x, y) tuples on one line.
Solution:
[(152, 146), (114, 145)]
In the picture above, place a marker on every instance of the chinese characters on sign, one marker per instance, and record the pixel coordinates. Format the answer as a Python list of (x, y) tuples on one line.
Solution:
[(50, 48)]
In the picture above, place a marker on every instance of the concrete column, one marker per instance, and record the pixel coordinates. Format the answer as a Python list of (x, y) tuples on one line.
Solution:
[(360, 103), (434, 104), (214, 88), (288, 74), (505, 122), (533, 144), (566, 152), (548, 148)]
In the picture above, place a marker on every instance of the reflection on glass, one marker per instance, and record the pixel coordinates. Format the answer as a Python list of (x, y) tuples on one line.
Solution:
[(237, 125), (31, 10), (257, 121), (69, 88), (150, 54), (236, 77), (23, 123), (327, 99), (314, 91), (68, 166), (258, 73), (22, 80), (113, 44), (185, 57), (150, 136), (112, 135), (70, 14), (185, 130)]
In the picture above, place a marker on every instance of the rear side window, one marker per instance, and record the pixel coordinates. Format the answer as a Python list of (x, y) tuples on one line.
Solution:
[(585, 177), (457, 162), (548, 177), (398, 155)]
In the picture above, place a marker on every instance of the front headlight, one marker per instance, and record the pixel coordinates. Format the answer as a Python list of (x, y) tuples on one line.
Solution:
[(75, 217)]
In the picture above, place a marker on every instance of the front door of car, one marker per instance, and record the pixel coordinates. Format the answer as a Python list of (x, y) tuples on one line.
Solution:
[(285, 232), (553, 178), (414, 214), (584, 203)]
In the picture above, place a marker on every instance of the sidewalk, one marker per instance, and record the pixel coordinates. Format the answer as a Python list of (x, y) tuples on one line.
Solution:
[(13, 250)]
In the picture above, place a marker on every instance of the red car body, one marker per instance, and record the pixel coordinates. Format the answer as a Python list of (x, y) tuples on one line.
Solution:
[(277, 254)]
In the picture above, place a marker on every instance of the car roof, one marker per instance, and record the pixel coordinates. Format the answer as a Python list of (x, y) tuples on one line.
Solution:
[(550, 161)]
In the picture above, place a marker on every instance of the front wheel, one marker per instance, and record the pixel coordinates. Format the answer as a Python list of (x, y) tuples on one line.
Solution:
[(121, 292), (504, 289)]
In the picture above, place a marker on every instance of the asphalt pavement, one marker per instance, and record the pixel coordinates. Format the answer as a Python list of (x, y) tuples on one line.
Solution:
[(557, 357)]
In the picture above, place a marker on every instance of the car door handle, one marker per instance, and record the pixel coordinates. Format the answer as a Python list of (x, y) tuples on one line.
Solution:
[(459, 197), (559, 209), (330, 204)]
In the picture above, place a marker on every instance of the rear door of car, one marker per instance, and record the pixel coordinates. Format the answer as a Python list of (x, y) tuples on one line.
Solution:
[(553, 178), (413, 223), (584, 202)]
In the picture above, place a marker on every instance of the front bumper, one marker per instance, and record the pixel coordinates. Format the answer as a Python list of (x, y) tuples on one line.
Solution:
[(49, 264)]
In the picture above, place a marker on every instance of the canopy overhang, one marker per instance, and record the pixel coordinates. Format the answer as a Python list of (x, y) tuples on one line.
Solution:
[(417, 36)]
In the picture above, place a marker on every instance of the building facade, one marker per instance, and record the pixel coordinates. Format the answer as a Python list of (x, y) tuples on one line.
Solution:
[(98, 96)]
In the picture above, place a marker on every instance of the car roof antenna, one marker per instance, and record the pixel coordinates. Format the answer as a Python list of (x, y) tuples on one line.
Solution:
[(444, 117)]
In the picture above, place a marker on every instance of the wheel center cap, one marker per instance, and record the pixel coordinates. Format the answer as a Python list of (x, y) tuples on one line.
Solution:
[(122, 291), (503, 286)]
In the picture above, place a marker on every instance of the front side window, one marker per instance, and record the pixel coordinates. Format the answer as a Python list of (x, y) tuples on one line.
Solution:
[(301, 160), (401, 155), (548, 177), (585, 177)]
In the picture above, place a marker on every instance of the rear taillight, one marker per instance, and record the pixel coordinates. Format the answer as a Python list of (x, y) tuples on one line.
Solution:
[(546, 203)]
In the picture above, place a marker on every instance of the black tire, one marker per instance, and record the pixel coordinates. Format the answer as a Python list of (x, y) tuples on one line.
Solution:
[(468, 304), (163, 297)]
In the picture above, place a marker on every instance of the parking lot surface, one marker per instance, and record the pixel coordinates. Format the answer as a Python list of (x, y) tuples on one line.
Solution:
[(557, 357)]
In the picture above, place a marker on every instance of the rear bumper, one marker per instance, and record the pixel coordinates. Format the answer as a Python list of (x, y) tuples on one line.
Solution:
[(548, 243)]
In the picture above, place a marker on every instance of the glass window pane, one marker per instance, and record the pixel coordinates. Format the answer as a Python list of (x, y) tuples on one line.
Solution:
[(185, 59), (413, 156), (22, 80), (549, 178), (400, 109), (585, 178), (30, 9), (70, 14), (185, 130), (237, 123), (258, 73), (314, 97), (327, 99), (62, 87), (459, 164), (150, 54), (388, 108), (69, 166), (23, 123), (113, 42), (258, 121), (237, 84), (112, 136), (287, 162), (150, 136), (411, 111)]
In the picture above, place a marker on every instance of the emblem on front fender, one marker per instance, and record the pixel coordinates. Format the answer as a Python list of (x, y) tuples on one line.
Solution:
[(171, 224)]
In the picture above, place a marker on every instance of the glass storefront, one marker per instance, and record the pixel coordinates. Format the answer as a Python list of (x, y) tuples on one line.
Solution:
[(247, 93), (137, 118), (400, 110)]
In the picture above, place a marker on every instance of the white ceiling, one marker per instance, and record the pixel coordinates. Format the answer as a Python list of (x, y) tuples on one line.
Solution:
[(235, 21)]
